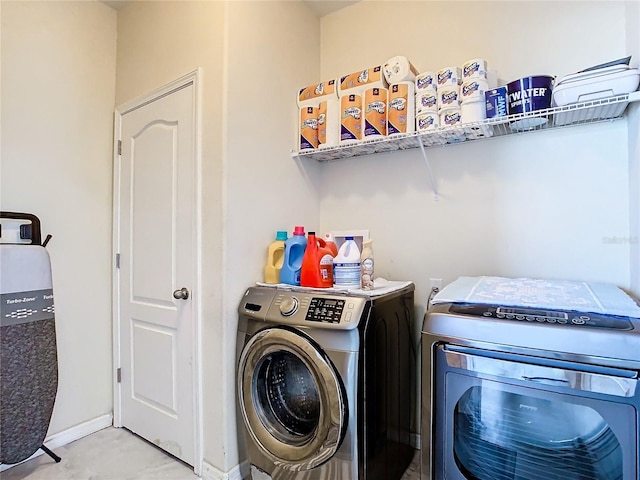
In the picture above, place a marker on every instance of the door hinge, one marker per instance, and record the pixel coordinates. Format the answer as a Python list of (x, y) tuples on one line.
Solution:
[(119, 375), (117, 260), (119, 147)]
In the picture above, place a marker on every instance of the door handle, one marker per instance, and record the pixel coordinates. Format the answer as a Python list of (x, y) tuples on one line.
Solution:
[(546, 380), (181, 294)]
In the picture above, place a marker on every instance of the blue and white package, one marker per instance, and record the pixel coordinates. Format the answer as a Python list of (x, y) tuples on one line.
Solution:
[(496, 102)]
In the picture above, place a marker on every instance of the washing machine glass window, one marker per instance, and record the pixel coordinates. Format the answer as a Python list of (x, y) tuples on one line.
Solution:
[(507, 416), (286, 397), (292, 400), (551, 438)]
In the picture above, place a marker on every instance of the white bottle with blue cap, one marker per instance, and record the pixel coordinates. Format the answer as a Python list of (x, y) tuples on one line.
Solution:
[(346, 265)]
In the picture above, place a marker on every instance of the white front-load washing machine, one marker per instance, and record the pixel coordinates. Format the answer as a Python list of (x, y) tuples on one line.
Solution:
[(324, 383)]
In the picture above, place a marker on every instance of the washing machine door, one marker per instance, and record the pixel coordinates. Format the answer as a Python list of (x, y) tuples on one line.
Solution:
[(291, 398)]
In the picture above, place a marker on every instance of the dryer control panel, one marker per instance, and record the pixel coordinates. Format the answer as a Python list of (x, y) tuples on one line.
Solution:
[(549, 317)]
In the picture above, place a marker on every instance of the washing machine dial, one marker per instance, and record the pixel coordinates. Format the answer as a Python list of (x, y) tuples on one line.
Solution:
[(289, 306)]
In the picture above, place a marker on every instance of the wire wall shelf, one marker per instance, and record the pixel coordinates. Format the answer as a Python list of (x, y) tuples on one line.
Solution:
[(603, 109)]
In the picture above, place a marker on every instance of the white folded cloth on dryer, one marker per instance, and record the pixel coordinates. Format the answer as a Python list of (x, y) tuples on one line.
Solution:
[(381, 286), (540, 293)]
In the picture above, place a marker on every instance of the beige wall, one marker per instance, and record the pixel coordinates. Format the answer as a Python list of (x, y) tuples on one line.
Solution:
[(528, 205), (157, 43), (535, 205), (58, 86), (272, 50), (633, 48), (245, 49), (518, 38)]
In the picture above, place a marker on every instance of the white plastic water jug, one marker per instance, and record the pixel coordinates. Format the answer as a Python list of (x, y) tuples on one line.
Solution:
[(346, 265)]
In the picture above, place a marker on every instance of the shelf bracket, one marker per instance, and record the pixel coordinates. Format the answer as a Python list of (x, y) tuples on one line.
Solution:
[(436, 197)]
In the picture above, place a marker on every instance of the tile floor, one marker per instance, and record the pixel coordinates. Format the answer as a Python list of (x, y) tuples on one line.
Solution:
[(110, 454), (117, 454)]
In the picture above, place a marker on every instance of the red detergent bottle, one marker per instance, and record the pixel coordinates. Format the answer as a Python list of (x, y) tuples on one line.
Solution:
[(317, 264)]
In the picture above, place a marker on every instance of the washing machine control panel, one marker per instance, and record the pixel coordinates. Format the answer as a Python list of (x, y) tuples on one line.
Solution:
[(325, 310), (289, 306), (317, 310)]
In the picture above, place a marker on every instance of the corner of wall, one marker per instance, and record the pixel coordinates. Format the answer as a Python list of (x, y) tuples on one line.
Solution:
[(633, 118)]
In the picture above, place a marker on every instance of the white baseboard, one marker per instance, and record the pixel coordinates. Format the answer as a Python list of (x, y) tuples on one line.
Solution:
[(239, 472), (72, 434)]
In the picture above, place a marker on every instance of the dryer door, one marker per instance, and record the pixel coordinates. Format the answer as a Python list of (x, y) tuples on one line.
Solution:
[(291, 398)]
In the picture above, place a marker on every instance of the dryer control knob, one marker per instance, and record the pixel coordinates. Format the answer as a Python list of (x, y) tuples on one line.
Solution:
[(289, 306)]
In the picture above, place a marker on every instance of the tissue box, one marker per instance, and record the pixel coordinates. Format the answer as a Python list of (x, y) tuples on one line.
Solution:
[(496, 102)]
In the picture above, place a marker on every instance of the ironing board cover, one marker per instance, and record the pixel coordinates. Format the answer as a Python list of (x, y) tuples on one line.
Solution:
[(28, 354)]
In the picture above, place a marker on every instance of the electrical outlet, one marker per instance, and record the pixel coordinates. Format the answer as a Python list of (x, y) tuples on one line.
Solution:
[(436, 283)]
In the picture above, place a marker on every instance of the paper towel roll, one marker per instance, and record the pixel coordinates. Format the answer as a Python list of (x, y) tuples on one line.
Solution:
[(399, 69), (425, 81), (375, 112), (472, 90), (426, 101), (474, 68), (350, 118), (329, 123), (401, 118), (358, 82), (473, 111), (448, 76), (451, 118), (308, 128), (311, 95), (427, 121), (448, 97)]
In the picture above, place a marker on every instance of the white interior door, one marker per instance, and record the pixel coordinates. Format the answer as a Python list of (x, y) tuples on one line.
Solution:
[(156, 242)]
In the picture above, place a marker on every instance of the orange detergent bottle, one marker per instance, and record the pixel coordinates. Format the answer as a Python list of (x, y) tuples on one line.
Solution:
[(331, 245), (317, 264)]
